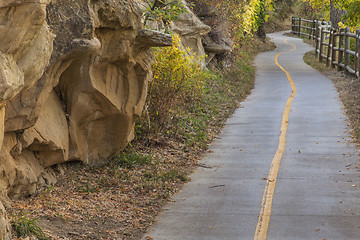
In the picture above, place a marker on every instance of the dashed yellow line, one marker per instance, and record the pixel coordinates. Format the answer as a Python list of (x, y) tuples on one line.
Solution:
[(266, 205)]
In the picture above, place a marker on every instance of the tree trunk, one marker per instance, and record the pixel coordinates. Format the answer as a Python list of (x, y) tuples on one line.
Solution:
[(261, 32), (261, 29), (335, 14)]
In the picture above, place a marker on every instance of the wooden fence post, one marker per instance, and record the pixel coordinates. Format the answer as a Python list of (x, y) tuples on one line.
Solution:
[(321, 48), (341, 54), (313, 29), (347, 46), (330, 48), (317, 37), (334, 41), (357, 51)]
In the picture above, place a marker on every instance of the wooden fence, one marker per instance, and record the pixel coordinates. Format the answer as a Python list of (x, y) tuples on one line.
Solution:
[(339, 48)]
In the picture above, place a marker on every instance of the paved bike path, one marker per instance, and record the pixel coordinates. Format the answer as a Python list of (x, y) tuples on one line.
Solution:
[(317, 194)]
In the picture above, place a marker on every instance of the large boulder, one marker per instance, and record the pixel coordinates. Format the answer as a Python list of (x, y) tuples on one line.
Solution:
[(112, 84), (191, 29)]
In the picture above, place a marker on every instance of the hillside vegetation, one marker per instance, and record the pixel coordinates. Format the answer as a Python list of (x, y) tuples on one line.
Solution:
[(342, 13), (186, 106)]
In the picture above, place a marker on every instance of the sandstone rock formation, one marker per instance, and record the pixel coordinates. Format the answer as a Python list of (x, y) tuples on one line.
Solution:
[(188, 26), (73, 80), (217, 44), (190, 29), (4, 224)]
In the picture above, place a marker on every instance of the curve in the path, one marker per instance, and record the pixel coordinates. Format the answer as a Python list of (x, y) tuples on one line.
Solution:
[(266, 204), (317, 188)]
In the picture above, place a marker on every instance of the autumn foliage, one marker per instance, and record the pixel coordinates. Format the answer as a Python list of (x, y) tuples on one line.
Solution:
[(178, 78), (244, 18), (322, 9)]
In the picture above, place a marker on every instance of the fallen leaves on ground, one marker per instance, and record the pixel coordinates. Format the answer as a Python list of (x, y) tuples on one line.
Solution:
[(109, 202)]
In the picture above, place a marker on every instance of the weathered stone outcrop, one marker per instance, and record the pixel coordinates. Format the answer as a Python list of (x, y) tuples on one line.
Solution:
[(76, 76), (112, 83), (155, 38), (190, 29), (73, 80), (188, 26), (217, 45), (4, 224)]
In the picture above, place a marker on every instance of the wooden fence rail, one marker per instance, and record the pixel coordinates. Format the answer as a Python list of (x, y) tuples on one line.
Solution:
[(339, 48)]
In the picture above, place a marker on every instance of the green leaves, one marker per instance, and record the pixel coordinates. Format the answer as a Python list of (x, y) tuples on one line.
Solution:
[(131, 160), (352, 8), (352, 17), (178, 77), (243, 18), (25, 226), (164, 10)]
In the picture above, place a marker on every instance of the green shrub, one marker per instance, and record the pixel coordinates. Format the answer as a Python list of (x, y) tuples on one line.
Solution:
[(187, 113), (178, 78), (131, 160), (25, 226), (163, 10)]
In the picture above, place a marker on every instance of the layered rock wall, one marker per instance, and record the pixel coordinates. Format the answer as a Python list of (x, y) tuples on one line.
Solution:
[(73, 80)]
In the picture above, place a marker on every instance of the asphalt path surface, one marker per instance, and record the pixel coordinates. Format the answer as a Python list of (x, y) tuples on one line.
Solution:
[(316, 188)]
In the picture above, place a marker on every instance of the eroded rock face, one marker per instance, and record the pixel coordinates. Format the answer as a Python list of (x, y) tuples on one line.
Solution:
[(112, 83), (191, 30), (217, 44), (49, 137), (76, 81), (26, 39), (25, 49), (4, 224), (73, 79)]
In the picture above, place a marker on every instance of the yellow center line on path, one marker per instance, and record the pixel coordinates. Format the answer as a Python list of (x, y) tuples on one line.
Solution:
[(266, 204)]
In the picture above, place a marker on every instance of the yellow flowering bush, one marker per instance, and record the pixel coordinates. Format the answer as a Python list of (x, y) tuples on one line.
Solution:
[(178, 78)]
